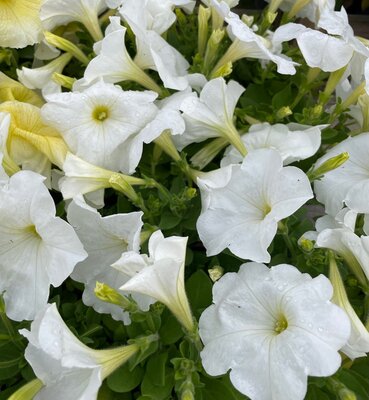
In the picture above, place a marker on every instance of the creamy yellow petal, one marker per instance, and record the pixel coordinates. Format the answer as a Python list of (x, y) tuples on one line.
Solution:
[(28, 134), (20, 25), (12, 90)]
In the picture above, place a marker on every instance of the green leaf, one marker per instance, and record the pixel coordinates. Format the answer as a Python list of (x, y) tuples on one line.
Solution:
[(106, 394), (283, 98), (169, 220), (355, 382), (155, 368), (123, 380), (158, 392), (220, 389), (199, 291), (170, 330), (10, 358)]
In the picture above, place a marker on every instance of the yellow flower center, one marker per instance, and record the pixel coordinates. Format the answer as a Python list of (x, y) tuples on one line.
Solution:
[(31, 229), (280, 325), (100, 113), (266, 210)]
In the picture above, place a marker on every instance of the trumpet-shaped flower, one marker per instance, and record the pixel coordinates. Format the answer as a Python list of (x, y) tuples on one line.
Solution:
[(211, 114), (242, 204), (161, 275), (153, 15), (41, 78), (348, 183), (82, 178), (20, 25), (67, 367), (329, 52), (31, 143), (294, 142), (312, 9), (104, 239), (247, 44), (37, 248), (97, 122), (113, 63), (272, 328), (61, 12)]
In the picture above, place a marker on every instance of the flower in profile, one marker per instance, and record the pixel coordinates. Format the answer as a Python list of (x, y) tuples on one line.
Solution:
[(294, 142), (66, 367), (349, 183), (82, 178), (211, 114), (41, 78), (113, 63), (31, 143), (55, 13), (153, 15), (98, 122), (272, 328), (104, 239), (20, 23), (161, 275), (242, 204), (247, 44), (37, 248)]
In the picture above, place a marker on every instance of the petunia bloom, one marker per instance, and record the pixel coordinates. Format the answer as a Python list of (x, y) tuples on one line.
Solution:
[(348, 184), (20, 24), (99, 122), (293, 141), (37, 248), (161, 275), (272, 328), (242, 204), (104, 239), (67, 367)]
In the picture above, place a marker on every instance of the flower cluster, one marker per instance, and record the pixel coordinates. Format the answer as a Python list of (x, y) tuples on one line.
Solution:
[(184, 201)]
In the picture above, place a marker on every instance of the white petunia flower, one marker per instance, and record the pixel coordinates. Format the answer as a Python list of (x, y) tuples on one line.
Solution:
[(37, 248), (272, 328), (211, 114), (97, 122), (68, 368), (348, 183), (154, 52), (294, 142), (310, 9), (83, 178), (113, 63), (329, 52), (41, 78), (161, 275), (242, 204), (20, 24), (62, 12), (247, 44), (153, 15), (104, 239)]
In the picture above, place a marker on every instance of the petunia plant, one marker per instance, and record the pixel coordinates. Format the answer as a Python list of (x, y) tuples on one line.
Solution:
[(184, 201)]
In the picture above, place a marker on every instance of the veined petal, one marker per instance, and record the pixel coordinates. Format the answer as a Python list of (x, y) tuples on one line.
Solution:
[(20, 25)]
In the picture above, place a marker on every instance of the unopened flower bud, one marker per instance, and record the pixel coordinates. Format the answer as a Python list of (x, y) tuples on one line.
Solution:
[(216, 272), (329, 165)]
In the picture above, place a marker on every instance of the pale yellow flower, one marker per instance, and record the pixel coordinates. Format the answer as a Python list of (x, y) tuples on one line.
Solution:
[(20, 25)]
